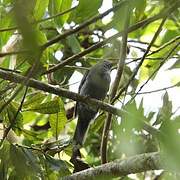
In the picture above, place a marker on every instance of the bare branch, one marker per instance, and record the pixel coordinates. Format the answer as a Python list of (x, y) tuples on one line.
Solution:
[(156, 70), (142, 60), (115, 85), (13, 77), (131, 165)]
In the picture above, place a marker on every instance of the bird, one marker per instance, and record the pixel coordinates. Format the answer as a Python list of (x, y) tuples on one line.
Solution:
[(94, 84)]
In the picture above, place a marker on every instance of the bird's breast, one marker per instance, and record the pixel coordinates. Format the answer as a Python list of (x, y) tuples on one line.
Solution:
[(96, 87)]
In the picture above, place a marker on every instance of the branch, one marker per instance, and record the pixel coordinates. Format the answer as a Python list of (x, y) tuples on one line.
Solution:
[(115, 85), (83, 25), (142, 60), (132, 28), (13, 53), (156, 90), (165, 45), (13, 77), (157, 69), (134, 164)]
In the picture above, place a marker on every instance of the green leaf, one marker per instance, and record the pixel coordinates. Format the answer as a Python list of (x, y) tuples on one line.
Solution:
[(74, 44), (11, 112), (58, 6), (28, 33), (50, 107), (57, 165), (133, 116), (21, 165), (40, 9), (85, 10), (5, 159), (175, 65), (98, 123), (165, 111), (57, 121), (170, 143), (139, 6), (34, 99), (169, 35)]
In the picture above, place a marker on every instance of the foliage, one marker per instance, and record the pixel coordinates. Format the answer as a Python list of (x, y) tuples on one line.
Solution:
[(44, 123)]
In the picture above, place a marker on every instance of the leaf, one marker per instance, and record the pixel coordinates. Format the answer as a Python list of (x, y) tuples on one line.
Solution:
[(57, 165), (34, 99), (165, 112), (21, 165), (139, 6), (85, 10), (133, 116), (40, 9), (28, 33), (11, 113), (170, 144), (74, 44), (5, 159), (169, 35), (98, 123), (58, 6), (175, 65), (32, 160), (49, 107), (57, 121)]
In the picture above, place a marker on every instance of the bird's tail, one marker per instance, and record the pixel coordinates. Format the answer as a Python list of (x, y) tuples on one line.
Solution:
[(79, 135), (80, 132)]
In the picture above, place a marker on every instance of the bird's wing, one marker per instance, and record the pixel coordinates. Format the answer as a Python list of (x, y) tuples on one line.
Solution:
[(79, 89), (83, 80)]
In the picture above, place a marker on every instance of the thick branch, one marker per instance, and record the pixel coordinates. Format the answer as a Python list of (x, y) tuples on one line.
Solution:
[(134, 164), (13, 77)]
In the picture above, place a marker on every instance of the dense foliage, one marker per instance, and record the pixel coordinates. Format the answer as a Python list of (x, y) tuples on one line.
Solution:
[(53, 41)]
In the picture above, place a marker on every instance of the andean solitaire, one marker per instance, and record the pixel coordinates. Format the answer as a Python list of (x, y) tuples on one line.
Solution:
[(94, 84)]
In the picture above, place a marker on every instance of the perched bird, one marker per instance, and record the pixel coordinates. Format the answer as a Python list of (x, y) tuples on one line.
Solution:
[(95, 84)]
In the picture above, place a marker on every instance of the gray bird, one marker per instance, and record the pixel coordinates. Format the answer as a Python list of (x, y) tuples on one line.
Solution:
[(95, 84)]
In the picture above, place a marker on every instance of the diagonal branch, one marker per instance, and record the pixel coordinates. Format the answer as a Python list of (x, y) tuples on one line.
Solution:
[(83, 25), (142, 60), (16, 78), (132, 28), (13, 77), (131, 165)]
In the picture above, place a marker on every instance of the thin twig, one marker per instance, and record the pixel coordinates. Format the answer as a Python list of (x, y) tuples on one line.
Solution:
[(13, 53), (165, 45), (142, 60), (155, 91), (157, 69)]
